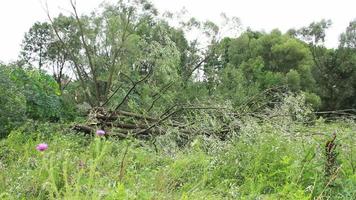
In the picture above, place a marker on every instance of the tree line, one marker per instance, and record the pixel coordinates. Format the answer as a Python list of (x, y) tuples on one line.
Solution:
[(127, 54)]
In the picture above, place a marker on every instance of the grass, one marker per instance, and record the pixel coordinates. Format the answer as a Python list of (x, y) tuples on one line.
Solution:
[(268, 160)]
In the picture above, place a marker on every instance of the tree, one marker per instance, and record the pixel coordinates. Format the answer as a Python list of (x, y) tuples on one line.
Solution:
[(278, 55), (35, 44), (334, 69), (116, 46), (348, 39), (41, 48)]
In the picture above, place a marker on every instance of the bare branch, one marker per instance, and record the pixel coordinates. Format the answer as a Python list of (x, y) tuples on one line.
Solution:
[(87, 51), (131, 89), (74, 60)]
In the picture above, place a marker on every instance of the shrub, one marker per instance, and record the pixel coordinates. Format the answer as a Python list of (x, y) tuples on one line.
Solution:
[(41, 91), (12, 103)]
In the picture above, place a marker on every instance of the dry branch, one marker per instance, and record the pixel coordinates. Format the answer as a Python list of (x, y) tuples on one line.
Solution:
[(123, 124)]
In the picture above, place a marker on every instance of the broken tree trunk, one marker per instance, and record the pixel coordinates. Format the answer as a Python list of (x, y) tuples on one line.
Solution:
[(123, 124)]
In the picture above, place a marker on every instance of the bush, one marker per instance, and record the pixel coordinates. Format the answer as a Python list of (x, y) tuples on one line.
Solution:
[(12, 103), (41, 91), (30, 94), (313, 99)]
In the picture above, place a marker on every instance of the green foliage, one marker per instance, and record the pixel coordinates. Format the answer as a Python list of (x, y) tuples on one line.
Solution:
[(334, 69), (31, 94), (41, 92), (313, 99), (36, 44), (12, 102), (266, 160), (124, 40), (263, 61), (293, 80), (267, 141), (235, 86), (315, 32)]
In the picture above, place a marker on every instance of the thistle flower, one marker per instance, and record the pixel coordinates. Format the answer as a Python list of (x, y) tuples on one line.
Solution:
[(100, 132), (42, 147)]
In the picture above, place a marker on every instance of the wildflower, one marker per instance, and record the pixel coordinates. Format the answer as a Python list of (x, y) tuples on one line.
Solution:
[(42, 147), (100, 132)]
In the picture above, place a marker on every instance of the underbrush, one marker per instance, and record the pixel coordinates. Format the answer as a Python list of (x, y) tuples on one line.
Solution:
[(265, 160)]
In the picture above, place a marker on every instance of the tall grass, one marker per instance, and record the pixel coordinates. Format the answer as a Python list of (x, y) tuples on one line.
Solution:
[(264, 161)]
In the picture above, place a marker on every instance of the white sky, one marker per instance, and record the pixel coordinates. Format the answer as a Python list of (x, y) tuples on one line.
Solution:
[(17, 16)]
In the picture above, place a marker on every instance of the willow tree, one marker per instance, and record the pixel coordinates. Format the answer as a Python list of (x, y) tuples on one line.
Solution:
[(111, 49)]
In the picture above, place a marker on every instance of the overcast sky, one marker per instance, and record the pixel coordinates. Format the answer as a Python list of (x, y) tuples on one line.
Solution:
[(17, 16)]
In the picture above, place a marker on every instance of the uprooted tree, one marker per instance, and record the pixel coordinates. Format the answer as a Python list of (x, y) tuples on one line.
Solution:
[(130, 65), (126, 52)]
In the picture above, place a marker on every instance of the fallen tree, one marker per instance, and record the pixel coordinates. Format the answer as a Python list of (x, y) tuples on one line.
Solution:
[(123, 124)]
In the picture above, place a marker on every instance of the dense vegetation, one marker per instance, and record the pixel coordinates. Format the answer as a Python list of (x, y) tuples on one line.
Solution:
[(255, 115), (272, 160)]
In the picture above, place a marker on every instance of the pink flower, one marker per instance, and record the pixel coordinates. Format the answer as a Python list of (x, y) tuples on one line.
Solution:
[(100, 132), (42, 147)]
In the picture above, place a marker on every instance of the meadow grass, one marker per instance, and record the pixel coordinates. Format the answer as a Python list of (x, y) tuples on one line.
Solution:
[(264, 161)]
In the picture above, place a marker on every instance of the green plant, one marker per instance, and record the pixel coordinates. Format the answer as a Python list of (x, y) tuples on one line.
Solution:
[(12, 103)]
